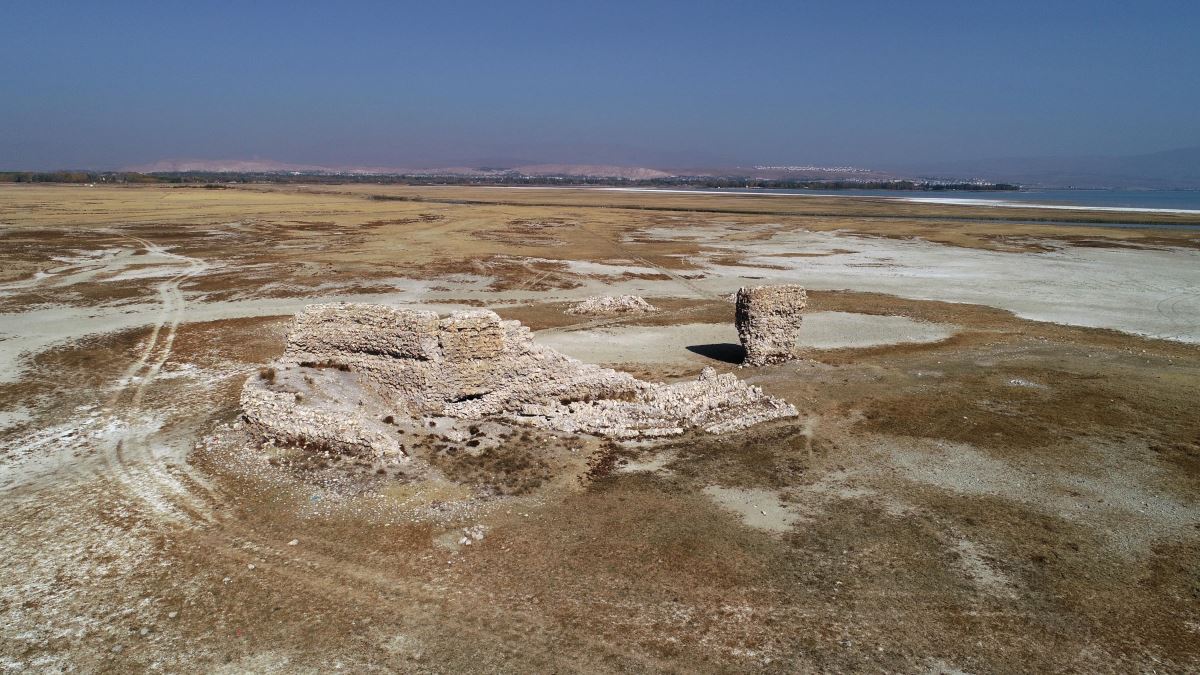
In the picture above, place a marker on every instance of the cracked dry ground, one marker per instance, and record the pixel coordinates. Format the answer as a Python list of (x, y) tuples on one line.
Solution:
[(1021, 496)]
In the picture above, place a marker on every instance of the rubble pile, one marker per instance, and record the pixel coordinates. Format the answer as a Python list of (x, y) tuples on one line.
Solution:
[(609, 305), (768, 319), (348, 365)]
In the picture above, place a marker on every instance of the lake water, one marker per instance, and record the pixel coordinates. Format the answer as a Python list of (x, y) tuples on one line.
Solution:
[(1164, 200)]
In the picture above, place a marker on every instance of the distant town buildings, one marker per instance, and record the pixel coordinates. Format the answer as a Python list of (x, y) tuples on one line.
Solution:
[(827, 169)]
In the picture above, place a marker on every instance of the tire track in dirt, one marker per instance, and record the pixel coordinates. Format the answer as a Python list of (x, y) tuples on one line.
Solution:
[(130, 456)]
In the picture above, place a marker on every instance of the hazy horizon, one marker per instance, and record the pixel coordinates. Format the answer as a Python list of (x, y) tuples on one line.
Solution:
[(874, 85)]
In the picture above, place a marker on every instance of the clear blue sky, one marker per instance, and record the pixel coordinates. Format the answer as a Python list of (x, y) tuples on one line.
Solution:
[(109, 84)]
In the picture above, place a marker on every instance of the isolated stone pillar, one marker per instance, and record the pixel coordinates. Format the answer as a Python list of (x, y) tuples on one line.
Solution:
[(768, 319)]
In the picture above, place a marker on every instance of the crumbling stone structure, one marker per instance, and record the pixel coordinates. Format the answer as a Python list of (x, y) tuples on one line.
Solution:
[(343, 360), (284, 418), (608, 305), (768, 319)]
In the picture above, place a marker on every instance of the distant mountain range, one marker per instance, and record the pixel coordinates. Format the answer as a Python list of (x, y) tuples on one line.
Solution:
[(269, 166), (1172, 169), (222, 166)]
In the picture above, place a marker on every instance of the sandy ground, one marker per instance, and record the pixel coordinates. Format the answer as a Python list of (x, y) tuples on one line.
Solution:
[(996, 467), (702, 342)]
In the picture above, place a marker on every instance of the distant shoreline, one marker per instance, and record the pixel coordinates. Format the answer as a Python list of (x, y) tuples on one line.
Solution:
[(957, 201), (916, 196)]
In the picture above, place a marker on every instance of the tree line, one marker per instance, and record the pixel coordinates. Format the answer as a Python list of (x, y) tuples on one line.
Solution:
[(77, 177)]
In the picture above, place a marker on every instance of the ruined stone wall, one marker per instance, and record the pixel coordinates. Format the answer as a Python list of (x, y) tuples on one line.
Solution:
[(280, 417), (768, 320), (473, 365), (337, 328)]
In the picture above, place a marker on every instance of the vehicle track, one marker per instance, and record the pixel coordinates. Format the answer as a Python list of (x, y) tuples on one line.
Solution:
[(130, 458)]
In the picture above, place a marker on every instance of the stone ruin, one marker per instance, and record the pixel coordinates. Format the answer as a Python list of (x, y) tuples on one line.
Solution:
[(346, 367), (608, 305), (768, 319)]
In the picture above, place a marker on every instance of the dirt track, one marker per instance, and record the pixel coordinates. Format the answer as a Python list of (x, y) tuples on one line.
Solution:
[(1017, 495)]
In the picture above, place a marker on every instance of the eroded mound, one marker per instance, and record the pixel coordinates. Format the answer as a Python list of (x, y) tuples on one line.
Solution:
[(609, 305), (353, 373)]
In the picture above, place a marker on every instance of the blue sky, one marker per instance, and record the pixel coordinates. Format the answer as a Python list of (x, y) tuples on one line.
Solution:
[(100, 85)]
